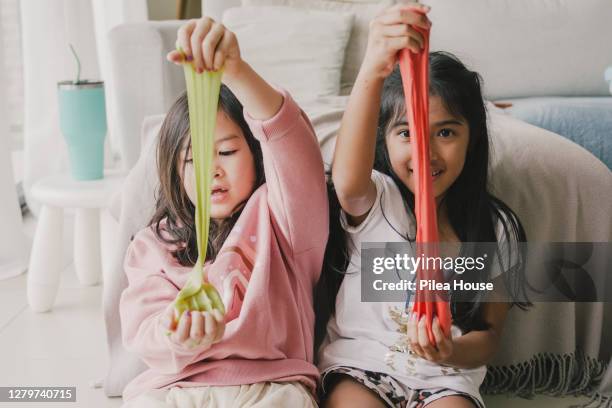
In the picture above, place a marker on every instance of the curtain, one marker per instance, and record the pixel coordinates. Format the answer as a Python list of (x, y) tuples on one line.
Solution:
[(13, 244)]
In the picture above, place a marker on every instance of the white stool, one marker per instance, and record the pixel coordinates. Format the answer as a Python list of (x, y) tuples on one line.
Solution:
[(56, 193)]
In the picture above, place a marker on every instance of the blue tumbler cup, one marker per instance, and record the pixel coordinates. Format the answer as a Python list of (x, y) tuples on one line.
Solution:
[(83, 124)]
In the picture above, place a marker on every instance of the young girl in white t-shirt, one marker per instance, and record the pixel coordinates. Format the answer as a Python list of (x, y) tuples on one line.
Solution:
[(378, 354)]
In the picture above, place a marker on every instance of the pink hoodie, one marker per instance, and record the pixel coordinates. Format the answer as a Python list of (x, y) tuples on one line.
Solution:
[(265, 273)]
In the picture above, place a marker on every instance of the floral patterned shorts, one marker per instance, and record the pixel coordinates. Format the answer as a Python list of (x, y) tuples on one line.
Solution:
[(389, 390)]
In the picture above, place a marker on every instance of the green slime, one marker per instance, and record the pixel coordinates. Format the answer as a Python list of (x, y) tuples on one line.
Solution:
[(203, 97)]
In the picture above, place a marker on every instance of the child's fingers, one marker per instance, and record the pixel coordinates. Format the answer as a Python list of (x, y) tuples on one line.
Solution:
[(442, 343), (402, 30), (220, 325), (412, 334), (182, 332), (210, 43), (422, 332), (411, 4), (414, 46), (424, 339), (399, 43), (223, 49), (209, 328), (167, 318), (405, 14), (219, 60), (437, 331), (202, 28), (176, 57), (183, 37), (197, 327), (218, 316)]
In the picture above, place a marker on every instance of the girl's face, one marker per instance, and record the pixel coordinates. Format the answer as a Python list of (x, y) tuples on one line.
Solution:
[(449, 137), (233, 169)]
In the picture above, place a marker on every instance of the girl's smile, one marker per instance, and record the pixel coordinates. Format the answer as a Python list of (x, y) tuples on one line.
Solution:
[(435, 173), (449, 137)]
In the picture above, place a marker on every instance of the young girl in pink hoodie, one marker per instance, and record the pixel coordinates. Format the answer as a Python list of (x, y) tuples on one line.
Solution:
[(269, 228)]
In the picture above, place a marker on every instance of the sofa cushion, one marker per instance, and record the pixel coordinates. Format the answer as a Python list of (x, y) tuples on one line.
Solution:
[(299, 50)]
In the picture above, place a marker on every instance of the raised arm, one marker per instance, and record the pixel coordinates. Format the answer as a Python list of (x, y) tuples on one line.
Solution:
[(297, 194), (355, 145), (354, 151), (210, 46), (292, 159), (293, 164)]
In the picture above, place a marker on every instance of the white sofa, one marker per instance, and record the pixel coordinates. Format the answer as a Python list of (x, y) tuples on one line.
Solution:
[(522, 49)]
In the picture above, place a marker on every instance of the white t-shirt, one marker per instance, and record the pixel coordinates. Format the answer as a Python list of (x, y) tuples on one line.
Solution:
[(371, 335)]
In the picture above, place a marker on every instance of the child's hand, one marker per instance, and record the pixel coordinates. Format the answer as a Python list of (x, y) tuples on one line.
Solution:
[(420, 344), (209, 45), (194, 329), (391, 32)]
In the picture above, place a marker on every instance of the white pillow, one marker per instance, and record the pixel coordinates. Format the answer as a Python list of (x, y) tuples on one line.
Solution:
[(301, 51), (528, 48), (358, 40)]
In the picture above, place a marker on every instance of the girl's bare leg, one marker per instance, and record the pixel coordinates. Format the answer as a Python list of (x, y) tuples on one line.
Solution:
[(352, 394), (452, 401)]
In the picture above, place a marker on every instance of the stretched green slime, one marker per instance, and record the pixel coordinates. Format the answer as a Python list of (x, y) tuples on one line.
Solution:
[(203, 97)]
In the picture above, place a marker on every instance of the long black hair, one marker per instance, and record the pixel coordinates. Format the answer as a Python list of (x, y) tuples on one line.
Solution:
[(473, 211), (172, 202), (335, 263)]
